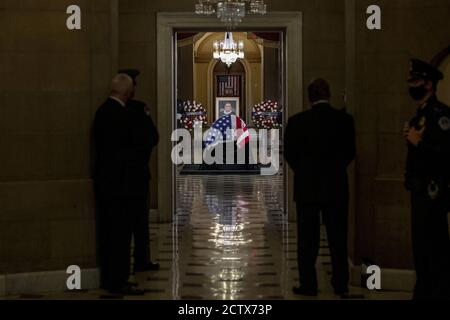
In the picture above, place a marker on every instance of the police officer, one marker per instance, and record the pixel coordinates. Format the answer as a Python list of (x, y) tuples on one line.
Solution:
[(144, 138), (428, 180)]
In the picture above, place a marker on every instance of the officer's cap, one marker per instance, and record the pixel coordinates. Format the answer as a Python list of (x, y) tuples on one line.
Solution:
[(420, 70), (133, 73)]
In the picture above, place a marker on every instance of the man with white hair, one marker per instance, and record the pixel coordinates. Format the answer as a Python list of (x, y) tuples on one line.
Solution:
[(113, 142)]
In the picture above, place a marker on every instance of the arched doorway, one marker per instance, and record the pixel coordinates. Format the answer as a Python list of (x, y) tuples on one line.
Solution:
[(167, 24), (218, 207), (206, 68)]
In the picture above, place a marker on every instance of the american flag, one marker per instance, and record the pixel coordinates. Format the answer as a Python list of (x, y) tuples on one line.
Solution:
[(230, 128), (229, 86)]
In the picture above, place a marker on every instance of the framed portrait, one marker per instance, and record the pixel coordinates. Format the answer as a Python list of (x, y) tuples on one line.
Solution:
[(225, 106)]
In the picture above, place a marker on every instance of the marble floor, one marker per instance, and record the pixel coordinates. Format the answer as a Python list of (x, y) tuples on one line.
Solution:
[(230, 240)]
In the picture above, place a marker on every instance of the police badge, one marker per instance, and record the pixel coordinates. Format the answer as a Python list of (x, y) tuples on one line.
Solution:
[(444, 123)]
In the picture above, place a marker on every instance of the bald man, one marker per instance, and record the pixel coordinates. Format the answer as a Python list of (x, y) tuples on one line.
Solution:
[(114, 159)]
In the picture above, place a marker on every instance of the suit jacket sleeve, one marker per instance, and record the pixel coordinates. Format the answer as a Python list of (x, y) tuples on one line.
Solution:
[(290, 145), (349, 140), (155, 133)]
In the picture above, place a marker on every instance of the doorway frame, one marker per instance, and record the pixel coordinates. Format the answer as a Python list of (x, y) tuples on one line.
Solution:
[(167, 23)]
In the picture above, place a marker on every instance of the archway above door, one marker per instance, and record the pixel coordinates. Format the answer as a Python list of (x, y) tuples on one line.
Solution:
[(204, 65)]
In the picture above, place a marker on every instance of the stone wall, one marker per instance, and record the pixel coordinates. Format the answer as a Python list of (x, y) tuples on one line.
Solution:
[(410, 28), (51, 82)]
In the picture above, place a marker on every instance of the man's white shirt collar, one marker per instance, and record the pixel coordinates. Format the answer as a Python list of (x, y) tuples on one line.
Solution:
[(119, 101), (321, 101)]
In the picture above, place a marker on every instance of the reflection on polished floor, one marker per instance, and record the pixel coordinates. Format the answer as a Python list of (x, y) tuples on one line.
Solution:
[(231, 230), (230, 240)]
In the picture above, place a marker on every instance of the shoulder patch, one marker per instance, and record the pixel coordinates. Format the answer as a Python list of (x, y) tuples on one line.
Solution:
[(444, 123)]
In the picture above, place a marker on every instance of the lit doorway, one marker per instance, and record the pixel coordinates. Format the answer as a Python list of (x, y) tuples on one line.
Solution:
[(224, 281), (229, 220), (167, 24), (252, 85)]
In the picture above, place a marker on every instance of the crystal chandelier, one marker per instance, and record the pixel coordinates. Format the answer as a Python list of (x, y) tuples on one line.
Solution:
[(228, 51), (230, 12)]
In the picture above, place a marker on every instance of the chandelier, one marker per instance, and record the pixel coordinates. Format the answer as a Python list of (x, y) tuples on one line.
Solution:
[(230, 12), (228, 51)]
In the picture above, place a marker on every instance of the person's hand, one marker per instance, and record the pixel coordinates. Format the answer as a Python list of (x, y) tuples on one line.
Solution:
[(415, 136)]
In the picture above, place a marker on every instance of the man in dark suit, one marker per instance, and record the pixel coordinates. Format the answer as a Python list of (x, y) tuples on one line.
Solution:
[(145, 137), (114, 190), (319, 146)]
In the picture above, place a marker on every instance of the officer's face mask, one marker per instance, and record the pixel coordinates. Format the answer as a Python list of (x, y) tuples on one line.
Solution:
[(418, 93)]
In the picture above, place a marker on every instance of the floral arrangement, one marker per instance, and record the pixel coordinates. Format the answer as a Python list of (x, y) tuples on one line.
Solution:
[(267, 115), (194, 115)]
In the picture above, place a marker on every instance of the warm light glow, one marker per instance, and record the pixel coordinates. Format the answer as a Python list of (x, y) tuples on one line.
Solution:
[(228, 51), (230, 12)]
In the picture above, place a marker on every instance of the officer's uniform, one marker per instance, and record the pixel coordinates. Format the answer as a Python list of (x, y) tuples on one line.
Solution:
[(428, 180), (145, 137)]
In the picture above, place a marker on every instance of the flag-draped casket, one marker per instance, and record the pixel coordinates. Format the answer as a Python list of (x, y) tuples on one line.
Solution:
[(229, 129)]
